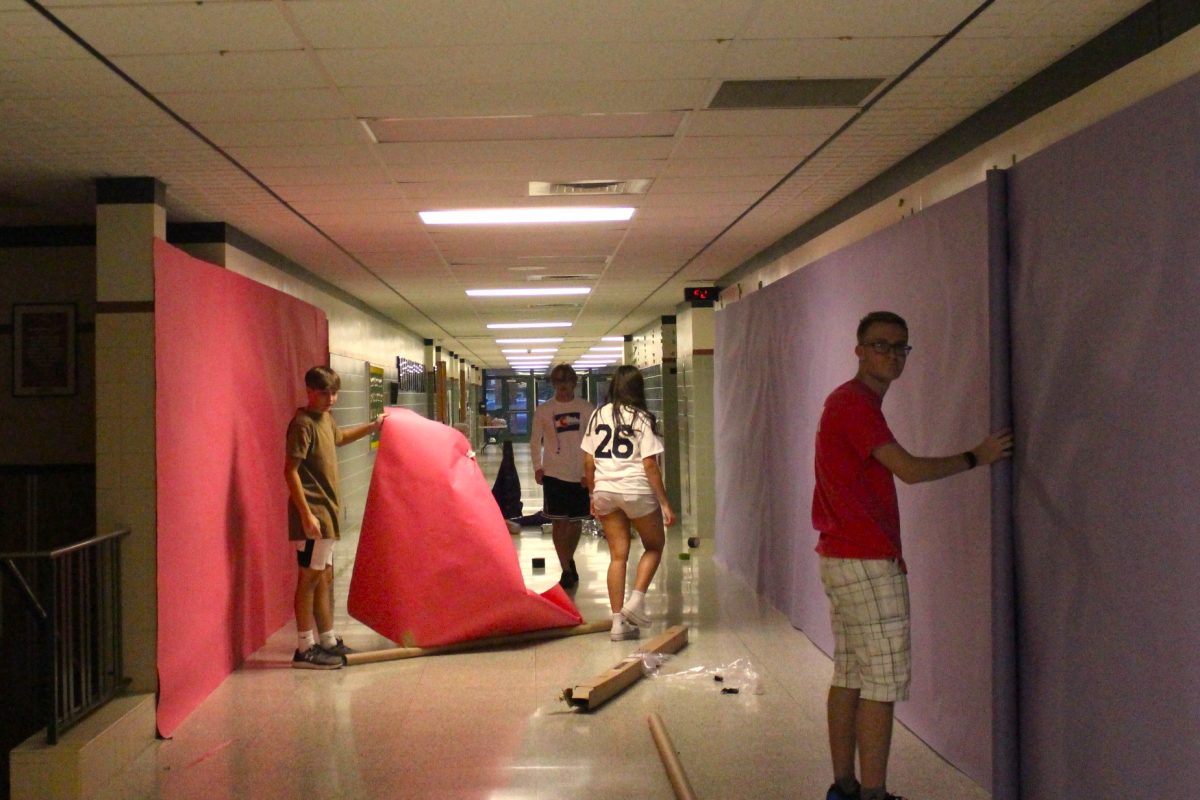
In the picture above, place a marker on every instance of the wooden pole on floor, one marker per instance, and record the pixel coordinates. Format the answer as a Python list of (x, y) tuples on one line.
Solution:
[(590, 695), (397, 653), (670, 759)]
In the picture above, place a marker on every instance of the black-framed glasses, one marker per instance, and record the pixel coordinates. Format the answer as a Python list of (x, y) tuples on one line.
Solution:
[(883, 348)]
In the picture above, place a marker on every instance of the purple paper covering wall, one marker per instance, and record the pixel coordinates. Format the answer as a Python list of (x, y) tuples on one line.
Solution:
[(779, 352), (1106, 330)]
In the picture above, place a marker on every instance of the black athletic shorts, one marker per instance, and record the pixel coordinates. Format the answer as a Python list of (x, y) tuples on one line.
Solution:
[(564, 499)]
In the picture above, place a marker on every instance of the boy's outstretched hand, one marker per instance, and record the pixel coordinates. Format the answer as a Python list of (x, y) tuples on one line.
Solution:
[(995, 447)]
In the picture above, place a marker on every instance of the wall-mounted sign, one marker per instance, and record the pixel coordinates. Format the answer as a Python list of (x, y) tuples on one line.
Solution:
[(43, 350)]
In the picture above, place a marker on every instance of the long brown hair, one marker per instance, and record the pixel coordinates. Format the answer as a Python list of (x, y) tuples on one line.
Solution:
[(627, 390)]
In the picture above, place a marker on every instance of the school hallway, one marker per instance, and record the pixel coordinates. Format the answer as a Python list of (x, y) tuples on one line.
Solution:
[(492, 724)]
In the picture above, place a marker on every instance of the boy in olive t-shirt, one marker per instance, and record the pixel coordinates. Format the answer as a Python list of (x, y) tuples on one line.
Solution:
[(312, 481)]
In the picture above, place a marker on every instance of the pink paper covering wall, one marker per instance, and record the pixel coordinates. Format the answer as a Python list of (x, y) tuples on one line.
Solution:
[(435, 563), (230, 354)]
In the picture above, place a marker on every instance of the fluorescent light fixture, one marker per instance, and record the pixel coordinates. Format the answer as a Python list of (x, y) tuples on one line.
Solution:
[(612, 338), (538, 292), (607, 350), (511, 325), (535, 340), (524, 216)]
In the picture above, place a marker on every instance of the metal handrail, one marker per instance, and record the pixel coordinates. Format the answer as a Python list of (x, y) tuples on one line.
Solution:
[(79, 620), (69, 548)]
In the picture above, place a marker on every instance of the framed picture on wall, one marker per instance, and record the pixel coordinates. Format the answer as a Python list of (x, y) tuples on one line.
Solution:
[(43, 349)]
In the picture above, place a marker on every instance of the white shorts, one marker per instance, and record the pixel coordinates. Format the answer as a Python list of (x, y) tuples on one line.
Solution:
[(635, 506), (872, 643), (314, 553)]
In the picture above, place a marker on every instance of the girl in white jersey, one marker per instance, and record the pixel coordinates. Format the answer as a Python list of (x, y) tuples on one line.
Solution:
[(620, 459)]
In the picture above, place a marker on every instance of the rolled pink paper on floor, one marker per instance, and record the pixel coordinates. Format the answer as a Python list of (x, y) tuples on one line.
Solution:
[(436, 564)]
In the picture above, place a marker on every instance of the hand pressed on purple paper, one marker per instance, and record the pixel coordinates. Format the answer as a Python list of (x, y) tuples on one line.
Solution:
[(995, 447)]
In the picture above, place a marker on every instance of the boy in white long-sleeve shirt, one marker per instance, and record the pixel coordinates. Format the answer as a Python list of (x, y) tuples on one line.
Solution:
[(558, 466)]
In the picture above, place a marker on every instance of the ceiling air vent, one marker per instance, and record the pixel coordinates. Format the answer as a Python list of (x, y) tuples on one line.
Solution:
[(818, 93), (589, 277), (630, 186)]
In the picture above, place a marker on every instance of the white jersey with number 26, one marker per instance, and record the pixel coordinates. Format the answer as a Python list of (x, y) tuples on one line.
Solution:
[(618, 450)]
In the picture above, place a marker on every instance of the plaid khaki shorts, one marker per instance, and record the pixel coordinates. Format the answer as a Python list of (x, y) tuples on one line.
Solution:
[(869, 609)]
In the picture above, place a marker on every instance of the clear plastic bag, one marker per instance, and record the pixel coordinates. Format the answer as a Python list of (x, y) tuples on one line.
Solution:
[(736, 677)]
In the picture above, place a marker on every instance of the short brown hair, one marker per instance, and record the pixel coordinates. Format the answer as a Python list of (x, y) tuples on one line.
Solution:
[(322, 379), (563, 373), (885, 317)]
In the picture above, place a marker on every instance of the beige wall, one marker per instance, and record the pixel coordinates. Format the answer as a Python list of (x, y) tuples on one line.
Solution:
[(126, 467)]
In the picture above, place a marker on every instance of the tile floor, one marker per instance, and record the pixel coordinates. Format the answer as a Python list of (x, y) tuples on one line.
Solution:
[(491, 725)]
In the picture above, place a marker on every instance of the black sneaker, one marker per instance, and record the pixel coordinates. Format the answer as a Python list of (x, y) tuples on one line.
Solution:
[(570, 576), (340, 650), (835, 793), (316, 657)]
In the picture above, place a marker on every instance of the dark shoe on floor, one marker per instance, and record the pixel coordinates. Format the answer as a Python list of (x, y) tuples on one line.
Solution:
[(835, 793), (570, 577), (340, 650), (317, 657)]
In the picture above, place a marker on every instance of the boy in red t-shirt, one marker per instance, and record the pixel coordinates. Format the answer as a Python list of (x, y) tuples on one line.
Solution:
[(862, 566)]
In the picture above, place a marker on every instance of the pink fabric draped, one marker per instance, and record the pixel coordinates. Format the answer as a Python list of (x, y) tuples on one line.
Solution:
[(436, 564), (229, 356)]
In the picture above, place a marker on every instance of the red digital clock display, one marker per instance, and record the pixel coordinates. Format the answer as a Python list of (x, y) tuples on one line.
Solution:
[(700, 296)]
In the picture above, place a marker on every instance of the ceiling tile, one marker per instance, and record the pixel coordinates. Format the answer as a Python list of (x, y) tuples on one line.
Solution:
[(545, 97), (522, 63), (823, 58), (857, 18), (789, 122), (384, 23), (242, 71), (190, 27)]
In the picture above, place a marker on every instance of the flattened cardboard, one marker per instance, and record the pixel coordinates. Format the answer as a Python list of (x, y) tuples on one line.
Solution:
[(590, 695)]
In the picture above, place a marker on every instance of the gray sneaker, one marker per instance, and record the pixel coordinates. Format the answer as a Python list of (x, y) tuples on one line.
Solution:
[(340, 650), (316, 658)]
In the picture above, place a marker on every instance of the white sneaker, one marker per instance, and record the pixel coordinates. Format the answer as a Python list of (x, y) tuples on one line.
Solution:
[(622, 630), (638, 618)]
